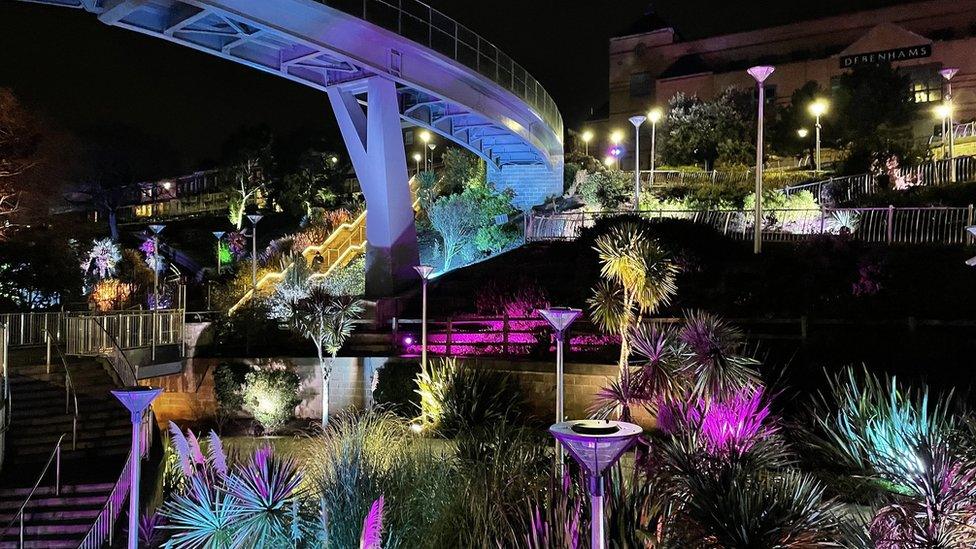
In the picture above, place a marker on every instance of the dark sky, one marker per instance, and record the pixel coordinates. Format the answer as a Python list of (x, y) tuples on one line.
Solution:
[(82, 73)]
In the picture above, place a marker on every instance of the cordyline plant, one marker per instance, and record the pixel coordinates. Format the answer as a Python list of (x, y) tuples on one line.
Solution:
[(909, 444), (638, 277), (328, 321)]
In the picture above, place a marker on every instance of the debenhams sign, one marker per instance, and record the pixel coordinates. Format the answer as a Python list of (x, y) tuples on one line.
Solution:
[(888, 56)]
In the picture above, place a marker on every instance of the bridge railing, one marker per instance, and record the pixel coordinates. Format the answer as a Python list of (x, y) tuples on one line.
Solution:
[(431, 28), (93, 334), (931, 225)]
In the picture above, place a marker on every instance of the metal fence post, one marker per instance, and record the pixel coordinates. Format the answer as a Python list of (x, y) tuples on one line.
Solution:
[(969, 223), (450, 328), (891, 224)]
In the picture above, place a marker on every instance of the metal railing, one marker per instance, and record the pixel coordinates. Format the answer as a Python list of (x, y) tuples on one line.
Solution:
[(102, 530), (70, 393), (28, 329), (959, 130), (55, 457), (932, 225), (6, 413), (431, 28), (129, 329), (677, 178), (126, 374)]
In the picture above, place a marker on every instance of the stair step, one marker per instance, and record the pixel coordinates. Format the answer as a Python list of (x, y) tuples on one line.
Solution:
[(48, 543), (82, 516), (68, 489), (28, 420), (49, 502), (61, 529), (46, 447)]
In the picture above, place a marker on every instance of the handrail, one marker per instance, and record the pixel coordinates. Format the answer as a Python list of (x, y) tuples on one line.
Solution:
[(55, 452), (128, 377), (7, 401), (70, 392)]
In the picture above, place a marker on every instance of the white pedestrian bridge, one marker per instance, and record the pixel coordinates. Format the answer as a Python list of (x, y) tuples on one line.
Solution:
[(383, 64)]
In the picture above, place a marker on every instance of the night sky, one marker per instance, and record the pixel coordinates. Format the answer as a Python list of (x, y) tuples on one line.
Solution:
[(81, 73)]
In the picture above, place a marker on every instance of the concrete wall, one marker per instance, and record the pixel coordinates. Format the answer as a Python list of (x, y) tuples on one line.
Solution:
[(532, 184)]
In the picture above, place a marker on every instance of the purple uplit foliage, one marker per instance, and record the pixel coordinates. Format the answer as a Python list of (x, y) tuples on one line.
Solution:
[(149, 528), (731, 424), (153, 260), (237, 243), (557, 523), (165, 299), (372, 536)]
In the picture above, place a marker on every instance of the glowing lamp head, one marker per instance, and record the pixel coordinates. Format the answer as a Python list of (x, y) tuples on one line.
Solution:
[(818, 107), (417, 157), (616, 152), (157, 228), (334, 159), (587, 136), (424, 271), (596, 444), (407, 341), (608, 161), (948, 72), (761, 72), (425, 136), (167, 185), (655, 115), (943, 111), (255, 218), (638, 120), (560, 317), (616, 136), (802, 133)]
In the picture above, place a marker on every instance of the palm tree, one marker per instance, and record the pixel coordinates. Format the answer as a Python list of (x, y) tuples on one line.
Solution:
[(638, 278), (328, 321)]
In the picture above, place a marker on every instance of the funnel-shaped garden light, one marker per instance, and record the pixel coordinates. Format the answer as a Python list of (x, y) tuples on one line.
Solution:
[(424, 271), (637, 121), (218, 235), (136, 399), (760, 73), (254, 251), (560, 319), (596, 445)]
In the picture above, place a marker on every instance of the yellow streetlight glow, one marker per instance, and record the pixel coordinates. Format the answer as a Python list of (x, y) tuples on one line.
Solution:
[(608, 161), (818, 107), (416, 157), (334, 159), (425, 136), (616, 136), (655, 115), (802, 132), (587, 136), (943, 111)]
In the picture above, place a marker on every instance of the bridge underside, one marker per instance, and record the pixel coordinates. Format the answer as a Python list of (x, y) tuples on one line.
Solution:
[(321, 47)]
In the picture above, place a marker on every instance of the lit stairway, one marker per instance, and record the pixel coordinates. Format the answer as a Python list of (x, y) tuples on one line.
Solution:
[(88, 472)]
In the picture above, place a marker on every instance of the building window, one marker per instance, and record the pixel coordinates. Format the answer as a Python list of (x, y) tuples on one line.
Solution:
[(926, 86), (770, 93), (640, 84)]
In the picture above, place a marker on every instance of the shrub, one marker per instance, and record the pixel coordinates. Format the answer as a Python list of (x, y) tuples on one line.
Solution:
[(229, 378), (612, 188), (270, 395), (395, 389), (455, 397)]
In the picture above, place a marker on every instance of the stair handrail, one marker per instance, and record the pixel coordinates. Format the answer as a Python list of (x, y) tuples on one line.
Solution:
[(70, 391), (55, 453), (118, 359), (7, 401)]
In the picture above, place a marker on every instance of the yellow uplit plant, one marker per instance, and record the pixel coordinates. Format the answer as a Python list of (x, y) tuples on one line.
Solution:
[(110, 293), (432, 387)]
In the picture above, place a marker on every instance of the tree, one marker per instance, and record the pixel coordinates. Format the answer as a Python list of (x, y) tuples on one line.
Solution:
[(454, 217), (328, 321), (18, 145), (783, 137), (462, 170), (638, 277), (877, 109), (720, 130), (314, 182), (250, 161)]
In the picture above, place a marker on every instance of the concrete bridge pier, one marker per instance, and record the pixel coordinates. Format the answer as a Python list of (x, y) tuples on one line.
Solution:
[(374, 140)]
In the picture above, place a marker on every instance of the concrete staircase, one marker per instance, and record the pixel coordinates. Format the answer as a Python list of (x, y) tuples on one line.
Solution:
[(88, 471)]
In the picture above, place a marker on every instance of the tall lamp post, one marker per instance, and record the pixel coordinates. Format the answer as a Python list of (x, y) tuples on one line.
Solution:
[(560, 318), (616, 136), (944, 113), (431, 146), (596, 445), (818, 108), (948, 73), (425, 137), (416, 161), (637, 121), (424, 271), (156, 229), (654, 115), (254, 251), (802, 134), (760, 73), (136, 399), (587, 137), (218, 235)]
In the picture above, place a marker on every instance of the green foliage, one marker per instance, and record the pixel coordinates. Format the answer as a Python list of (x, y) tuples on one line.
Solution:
[(570, 169), (229, 378), (270, 395), (362, 457), (787, 119), (461, 171), (396, 388), (611, 188), (491, 237), (454, 218), (456, 397), (348, 280), (315, 182), (720, 130)]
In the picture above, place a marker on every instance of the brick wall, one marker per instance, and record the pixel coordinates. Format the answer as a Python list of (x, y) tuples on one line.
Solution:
[(532, 184)]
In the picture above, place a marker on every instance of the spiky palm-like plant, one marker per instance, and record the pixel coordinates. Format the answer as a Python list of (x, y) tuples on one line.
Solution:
[(714, 363), (328, 321), (266, 487), (638, 278)]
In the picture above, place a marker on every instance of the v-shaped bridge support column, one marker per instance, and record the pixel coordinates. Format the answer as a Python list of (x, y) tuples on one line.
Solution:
[(375, 142)]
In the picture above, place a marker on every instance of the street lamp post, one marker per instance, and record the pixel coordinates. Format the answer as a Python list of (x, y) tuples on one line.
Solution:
[(817, 109), (431, 146), (424, 271), (587, 137), (425, 137), (416, 161), (760, 73), (944, 113), (802, 133), (254, 251), (596, 445), (560, 318), (654, 115), (218, 235), (157, 253), (136, 399), (948, 73), (637, 121)]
